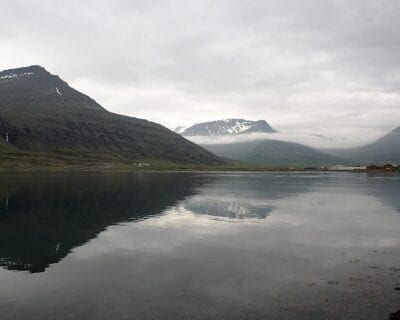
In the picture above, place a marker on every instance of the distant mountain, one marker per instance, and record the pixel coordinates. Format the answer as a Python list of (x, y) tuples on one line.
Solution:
[(39, 112), (273, 153), (179, 129), (383, 150), (227, 127)]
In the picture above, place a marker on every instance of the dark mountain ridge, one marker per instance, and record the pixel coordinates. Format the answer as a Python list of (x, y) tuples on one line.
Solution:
[(39, 112)]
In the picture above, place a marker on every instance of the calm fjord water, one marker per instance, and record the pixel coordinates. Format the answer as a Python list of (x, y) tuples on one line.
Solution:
[(199, 246)]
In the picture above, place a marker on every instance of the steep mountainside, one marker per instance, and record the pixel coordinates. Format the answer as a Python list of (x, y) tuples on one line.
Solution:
[(40, 112), (273, 153), (384, 150), (227, 127)]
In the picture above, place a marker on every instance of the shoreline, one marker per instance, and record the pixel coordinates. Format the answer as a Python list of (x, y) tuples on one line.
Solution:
[(191, 170)]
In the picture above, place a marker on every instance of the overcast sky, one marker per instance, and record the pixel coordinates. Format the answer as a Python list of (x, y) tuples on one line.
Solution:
[(316, 67)]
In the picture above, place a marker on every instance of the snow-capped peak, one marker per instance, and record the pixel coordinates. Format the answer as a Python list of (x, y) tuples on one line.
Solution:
[(227, 127)]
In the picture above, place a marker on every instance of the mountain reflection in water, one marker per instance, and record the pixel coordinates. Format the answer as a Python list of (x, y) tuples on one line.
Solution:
[(44, 216), (199, 246)]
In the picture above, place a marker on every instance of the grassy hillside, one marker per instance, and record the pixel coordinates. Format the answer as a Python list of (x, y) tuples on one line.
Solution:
[(273, 153), (42, 115)]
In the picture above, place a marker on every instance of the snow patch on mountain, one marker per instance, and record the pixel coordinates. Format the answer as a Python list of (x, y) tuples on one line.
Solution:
[(238, 126), (15, 75)]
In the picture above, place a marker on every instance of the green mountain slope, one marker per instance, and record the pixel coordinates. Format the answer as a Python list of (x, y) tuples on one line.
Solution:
[(41, 113), (273, 153)]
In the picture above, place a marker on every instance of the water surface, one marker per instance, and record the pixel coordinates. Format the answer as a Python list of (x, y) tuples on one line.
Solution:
[(199, 246)]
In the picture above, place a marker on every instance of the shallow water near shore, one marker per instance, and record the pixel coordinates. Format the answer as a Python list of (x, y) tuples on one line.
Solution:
[(199, 246)]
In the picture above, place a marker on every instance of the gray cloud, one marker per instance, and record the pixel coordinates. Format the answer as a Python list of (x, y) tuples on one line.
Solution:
[(309, 67)]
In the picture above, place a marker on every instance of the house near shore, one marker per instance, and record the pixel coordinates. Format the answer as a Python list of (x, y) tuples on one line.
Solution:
[(386, 167), (142, 165)]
